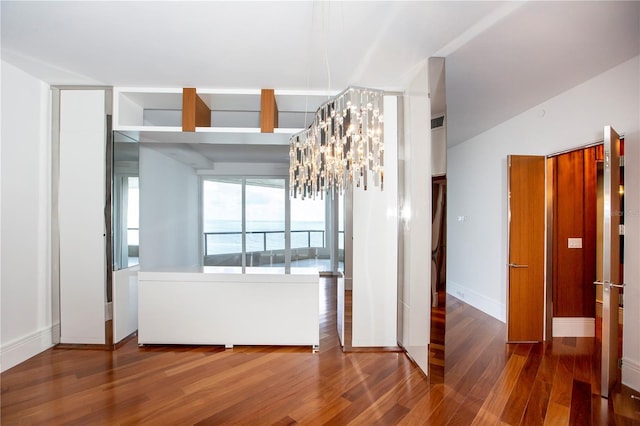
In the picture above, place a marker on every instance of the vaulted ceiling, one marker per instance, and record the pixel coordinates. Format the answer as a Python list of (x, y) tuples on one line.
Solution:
[(501, 57)]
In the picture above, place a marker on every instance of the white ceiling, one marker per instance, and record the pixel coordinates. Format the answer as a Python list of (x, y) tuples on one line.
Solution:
[(501, 57), (538, 51)]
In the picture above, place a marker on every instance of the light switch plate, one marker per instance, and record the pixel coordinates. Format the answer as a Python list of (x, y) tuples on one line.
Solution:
[(575, 243)]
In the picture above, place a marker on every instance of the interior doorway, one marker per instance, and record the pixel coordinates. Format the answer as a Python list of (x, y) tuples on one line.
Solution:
[(586, 236), (574, 239)]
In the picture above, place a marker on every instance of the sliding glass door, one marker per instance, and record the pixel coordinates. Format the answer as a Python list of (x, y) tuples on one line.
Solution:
[(265, 222), (222, 213), (245, 223), (308, 234)]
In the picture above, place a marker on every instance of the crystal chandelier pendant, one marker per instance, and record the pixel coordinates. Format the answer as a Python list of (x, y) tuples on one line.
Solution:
[(343, 146)]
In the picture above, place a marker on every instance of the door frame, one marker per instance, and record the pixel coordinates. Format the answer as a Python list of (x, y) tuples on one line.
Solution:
[(548, 258)]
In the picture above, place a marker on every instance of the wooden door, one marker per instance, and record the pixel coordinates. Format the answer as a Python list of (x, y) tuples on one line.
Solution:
[(610, 279), (526, 188)]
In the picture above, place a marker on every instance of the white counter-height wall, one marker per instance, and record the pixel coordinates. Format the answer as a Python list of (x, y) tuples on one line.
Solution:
[(26, 324), (125, 302), (477, 185), (169, 217)]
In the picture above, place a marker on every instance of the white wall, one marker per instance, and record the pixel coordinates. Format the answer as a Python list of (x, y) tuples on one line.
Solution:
[(375, 240), (476, 185), (25, 197), (631, 332), (169, 217), (415, 204)]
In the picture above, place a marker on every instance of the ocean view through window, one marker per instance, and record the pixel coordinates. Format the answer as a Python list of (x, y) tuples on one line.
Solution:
[(244, 224)]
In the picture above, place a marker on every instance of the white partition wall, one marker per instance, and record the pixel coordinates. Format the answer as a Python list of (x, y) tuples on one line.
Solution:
[(81, 203), (375, 241), (415, 208), (169, 228)]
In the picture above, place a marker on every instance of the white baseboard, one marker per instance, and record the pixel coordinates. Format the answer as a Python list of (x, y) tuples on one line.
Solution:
[(574, 327), (631, 374), (479, 301), (20, 350)]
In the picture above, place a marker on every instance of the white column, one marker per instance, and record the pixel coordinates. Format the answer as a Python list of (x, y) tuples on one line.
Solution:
[(416, 220), (81, 216), (375, 242)]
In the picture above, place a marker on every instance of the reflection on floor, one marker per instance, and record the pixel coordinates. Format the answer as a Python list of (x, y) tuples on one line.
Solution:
[(320, 265), (487, 382), (437, 339), (548, 383)]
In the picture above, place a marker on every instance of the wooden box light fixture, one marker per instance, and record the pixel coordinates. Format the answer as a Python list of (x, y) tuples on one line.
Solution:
[(196, 113)]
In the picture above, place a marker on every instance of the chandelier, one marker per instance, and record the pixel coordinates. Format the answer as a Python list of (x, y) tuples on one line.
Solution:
[(343, 145)]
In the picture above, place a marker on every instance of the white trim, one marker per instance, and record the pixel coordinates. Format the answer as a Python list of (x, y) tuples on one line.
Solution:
[(573, 327), (153, 90), (20, 350), (218, 91), (479, 301), (227, 129), (143, 128), (255, 92), (631, 374), (295, 92), (287, 130)]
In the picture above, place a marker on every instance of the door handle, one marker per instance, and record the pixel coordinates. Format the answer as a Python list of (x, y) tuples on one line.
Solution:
[(605, 283), (515, 265)]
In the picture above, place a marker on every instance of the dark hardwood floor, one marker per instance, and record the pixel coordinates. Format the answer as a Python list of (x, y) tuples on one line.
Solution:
[(486, 382)]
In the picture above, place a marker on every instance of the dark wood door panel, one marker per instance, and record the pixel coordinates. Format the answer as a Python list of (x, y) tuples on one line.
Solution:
[(574, 205)]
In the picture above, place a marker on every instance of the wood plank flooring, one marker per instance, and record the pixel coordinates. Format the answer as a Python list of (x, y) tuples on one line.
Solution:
[(486, 382)]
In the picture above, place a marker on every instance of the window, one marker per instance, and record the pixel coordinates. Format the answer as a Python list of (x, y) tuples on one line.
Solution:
[(126, 202), (245, 224), (133, 220)]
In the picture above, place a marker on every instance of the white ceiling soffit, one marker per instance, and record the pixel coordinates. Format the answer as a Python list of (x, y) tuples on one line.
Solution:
[(205, 156), (539, 51), (273, 154), (183, 153)]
